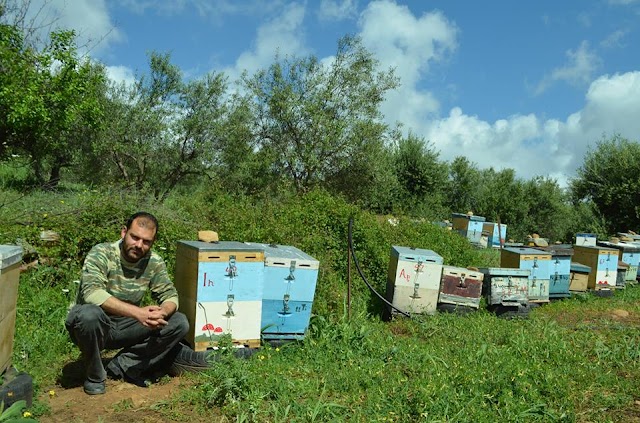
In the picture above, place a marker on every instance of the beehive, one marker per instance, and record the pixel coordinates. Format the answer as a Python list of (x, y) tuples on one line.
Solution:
[(629, 253), (505, 286), (603, 262), (290, 277), (623, 269), (469, 226), (10, 259), (221, 289), (538, 263), (585, 239), (413, 280), (579, 277), (559, 270), (497, 233), (460, 286)]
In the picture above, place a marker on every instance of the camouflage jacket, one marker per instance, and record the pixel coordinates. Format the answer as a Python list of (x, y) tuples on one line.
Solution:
[(105, 273)]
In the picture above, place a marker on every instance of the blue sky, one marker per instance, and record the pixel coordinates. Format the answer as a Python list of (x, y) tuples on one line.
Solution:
[(508, 84)]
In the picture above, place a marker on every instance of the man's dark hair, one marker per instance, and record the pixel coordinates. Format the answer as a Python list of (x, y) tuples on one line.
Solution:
[(145, 220)]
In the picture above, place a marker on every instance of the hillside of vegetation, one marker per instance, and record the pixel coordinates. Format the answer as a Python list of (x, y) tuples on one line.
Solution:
[(573, 360)]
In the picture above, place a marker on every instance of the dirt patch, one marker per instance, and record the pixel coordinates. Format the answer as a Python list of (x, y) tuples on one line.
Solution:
[(600, 319), (123, 402)]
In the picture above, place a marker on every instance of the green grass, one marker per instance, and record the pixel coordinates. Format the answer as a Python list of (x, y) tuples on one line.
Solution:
[(572, 360)]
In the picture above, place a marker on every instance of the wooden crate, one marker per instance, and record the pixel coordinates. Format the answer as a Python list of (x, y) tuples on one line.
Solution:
[(10, 259), (220, 286), (539, 265), (413, 279), (290, 278), (603, 262)]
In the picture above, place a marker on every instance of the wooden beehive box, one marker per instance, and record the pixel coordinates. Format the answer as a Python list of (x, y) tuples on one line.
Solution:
[(290, 277), (221, 288), (506, 286), (579, 277), (460, 286), (497, 233), (539, 265), (629, 253), (603, 262), (413, 280), (560, 269), (469, 226), (585, 239), (10, 259)]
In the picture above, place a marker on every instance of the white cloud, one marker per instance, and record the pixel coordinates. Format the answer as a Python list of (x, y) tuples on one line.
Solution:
[(615, 39), (534, 147), (578, 71), (409, 44), (283, 34), (88, 18), (121, 74), (336, 10)]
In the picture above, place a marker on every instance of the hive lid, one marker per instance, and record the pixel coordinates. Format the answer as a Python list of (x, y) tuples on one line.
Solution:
[(9, 255), (416, 254), (469, 217), (619, 245), (275, 254), (526, 251), (580, 268), (505, 271), (558, 249), (222, 246)]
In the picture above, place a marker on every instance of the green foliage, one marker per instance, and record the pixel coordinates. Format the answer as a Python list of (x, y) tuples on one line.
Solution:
[(160, 132), (609, 179), (315, 121), (14, 413), (49, 102), (421, 176), (569, 359)]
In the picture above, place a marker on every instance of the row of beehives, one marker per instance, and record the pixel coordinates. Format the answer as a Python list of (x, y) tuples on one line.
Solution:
[(418, 282), (250, 291), (478, 230)]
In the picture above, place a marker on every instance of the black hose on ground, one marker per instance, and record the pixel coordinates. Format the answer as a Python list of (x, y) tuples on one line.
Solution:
[(371, 288)]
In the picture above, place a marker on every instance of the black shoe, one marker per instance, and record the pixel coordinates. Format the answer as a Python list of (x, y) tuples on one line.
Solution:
[(94, 388), (244, 352), (188, 360), (138, 380)]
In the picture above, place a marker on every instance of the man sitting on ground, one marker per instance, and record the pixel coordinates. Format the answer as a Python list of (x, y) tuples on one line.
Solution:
[(108, 312)]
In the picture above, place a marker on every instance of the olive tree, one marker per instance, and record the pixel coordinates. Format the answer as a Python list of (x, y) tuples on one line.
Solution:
[(315, 120), (610, 178)]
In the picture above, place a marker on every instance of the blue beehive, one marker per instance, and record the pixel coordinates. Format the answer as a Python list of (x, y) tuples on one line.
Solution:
[(629, 253), (497, 234), (413, 279), (290, 277), (560, 269), (220, 287), (469, 226), (537, 262)]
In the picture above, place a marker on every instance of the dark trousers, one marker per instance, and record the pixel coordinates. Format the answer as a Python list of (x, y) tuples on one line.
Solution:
[(143, 350)]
